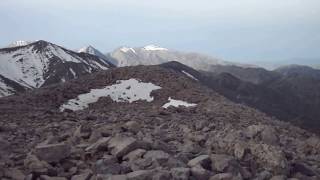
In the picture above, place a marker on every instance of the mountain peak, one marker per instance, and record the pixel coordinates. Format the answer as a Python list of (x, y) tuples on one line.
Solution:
[(154, 48), (87, 49)]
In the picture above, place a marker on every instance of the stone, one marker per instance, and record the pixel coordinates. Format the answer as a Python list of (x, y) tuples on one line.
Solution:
[(118, 177), (132, 126), (240, 150), (264, 175), (100, 145), (269, 135), (157, 155), (140, 175), (84, 176), (107, 165), (222, 176), (279, 177), (134, 155), (200, 173), (180, 173), (162, 175), (253, 130), (14, 174), (203, 160), (45, 177), (143, 164), (224, 163), (53, 152), (120, 146), (303, 169), (34, 165)]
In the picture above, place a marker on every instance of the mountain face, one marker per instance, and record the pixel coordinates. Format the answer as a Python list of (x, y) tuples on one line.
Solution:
[(146, 122), (42, 63), (290, 94), (152, 55)]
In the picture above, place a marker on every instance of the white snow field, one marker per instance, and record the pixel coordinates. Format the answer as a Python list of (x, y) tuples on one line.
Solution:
[(177, 103), (189, 75), (124, 91)]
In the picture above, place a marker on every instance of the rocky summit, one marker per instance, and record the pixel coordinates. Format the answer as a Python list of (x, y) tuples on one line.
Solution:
[(147, 123)]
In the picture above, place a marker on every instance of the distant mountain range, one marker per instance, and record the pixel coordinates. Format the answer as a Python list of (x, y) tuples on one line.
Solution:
[(153, 55), (290, 93)]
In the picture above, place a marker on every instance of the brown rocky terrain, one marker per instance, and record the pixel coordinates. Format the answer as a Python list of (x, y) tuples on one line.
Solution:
[(216, 139)]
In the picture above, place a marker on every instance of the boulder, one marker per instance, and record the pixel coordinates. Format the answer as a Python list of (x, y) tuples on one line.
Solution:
[(111, 177), (180, 173), (120, 146), (269, 135), (157, 155), (134, 155), (161, 175), (222, 176), (45, 177), (84, 176), (34, 165), (53, 152), (200, 173), (107, 165), (101, 144), (140, 175), (224, 163), (279, 177), (240, 150), (132, 126), (14, 174), (203, 160)]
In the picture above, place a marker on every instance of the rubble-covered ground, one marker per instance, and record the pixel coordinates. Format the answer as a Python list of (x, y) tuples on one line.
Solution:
[(214, 139)]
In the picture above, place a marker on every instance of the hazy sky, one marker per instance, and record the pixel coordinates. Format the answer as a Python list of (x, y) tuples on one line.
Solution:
[(238, 30)]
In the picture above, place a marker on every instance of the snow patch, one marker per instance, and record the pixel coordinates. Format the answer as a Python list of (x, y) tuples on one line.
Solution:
[(73, 73), (19, 43), (126, 49), (124, 91), (154, 48), (189, 75), (177, 103)]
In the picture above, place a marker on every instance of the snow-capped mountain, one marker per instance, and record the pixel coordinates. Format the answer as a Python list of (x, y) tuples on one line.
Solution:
[(42, 63), (152, 55), (91, 50)]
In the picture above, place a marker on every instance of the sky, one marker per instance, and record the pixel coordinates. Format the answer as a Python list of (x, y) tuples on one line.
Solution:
[(235, 30)]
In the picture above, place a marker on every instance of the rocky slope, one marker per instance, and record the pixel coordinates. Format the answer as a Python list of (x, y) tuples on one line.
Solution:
[(41, 63), (111, 138), (290, 93)]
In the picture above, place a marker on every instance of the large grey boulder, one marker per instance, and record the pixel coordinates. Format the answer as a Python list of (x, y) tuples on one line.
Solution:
[(120, 146), (53, 152), (203, 160)]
